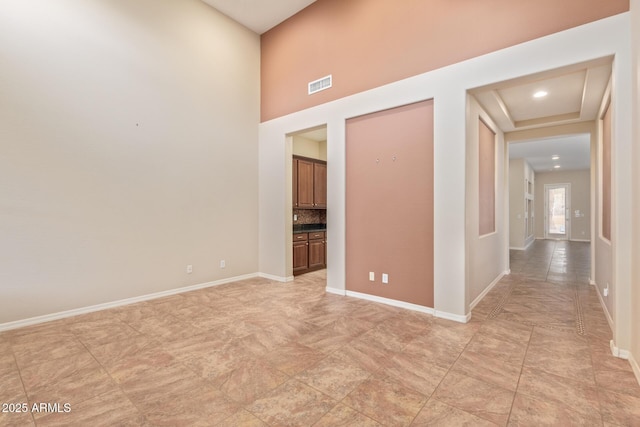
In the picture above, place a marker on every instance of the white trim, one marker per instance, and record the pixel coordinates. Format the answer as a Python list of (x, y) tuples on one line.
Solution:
[(635, 367), (580, 240), (604, 306), (410, 306), (592, 282), (487, 289), (455, 317), (525, 247), (335, 291), (618, 352), (113, 304), (276, 278), (393, 302), (482, 236)]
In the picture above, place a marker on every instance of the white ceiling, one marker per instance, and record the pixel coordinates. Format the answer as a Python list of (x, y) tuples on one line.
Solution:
[(318, 133), (573, 150), (574, 94), (259, 15)]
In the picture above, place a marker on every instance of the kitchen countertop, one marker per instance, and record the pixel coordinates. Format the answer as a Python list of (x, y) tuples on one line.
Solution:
[(305, 228)]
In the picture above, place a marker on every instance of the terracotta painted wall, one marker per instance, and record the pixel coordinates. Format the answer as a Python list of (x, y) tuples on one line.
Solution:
[(447, 87), (369, 43), (389, 219)]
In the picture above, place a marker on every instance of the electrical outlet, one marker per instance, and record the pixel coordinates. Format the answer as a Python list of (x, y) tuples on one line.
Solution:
[(189, 269), (372, 276), (223, 264), (385, 278), (295, 217), (605, 292)]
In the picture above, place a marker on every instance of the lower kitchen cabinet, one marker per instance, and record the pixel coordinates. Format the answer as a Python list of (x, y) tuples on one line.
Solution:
[(300, 253), (309, 252)]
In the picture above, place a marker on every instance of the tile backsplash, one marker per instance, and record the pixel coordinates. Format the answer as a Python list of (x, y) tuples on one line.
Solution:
[(310, 216)]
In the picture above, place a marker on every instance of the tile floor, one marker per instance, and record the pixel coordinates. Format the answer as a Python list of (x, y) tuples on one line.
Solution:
[(257, 353)]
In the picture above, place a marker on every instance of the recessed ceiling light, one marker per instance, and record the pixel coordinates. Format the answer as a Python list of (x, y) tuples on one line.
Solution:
[(555, 157), (556, 167), (540, 94)]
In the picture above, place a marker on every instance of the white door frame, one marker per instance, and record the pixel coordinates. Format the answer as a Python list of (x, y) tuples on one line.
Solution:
[(567, 211)]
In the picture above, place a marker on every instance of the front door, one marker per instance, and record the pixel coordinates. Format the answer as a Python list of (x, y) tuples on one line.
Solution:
[(557, 218)]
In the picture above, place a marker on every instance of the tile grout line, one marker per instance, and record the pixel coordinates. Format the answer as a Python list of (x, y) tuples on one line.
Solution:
[(515, 393), (111, 377), (24, 388)]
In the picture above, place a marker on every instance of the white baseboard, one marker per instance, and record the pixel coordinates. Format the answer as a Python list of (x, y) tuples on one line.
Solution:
[(410, 306), (635, 367), (604, 306), (335, 291), (276, 278), (618, 352), (523, 248), (393, 302), (487, 289), (455, 317), (90, 309), (581, 240)]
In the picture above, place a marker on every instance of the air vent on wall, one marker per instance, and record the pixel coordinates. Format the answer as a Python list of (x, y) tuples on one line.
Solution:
[(320, 84)]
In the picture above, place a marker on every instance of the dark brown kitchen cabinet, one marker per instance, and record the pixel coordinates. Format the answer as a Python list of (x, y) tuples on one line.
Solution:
[(309, 252), (319, 185), (305, 183), (300, 253), (309, 183), (316, 250)]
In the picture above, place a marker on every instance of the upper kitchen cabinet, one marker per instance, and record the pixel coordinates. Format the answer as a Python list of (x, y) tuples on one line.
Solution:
[(304, 182), (319, 185), (309, 183)]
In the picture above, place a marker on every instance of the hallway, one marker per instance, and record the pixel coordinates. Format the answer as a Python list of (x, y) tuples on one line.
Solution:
[(263, 353), (567, 363)]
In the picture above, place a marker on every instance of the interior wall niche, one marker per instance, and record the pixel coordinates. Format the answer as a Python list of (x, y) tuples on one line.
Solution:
[(486, 179), (606, 174), (389, 203)]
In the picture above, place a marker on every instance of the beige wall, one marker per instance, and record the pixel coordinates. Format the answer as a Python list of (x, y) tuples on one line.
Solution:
[(368, 43), (309, 148), (635, 322), (580, 199), (487, 255), (128, 133)]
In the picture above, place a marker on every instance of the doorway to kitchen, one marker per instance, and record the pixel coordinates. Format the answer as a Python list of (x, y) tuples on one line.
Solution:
[(309, 200)]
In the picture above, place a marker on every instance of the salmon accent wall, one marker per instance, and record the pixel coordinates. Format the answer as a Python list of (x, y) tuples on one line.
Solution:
[(389, 203), (368, 43), (487, 179)]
